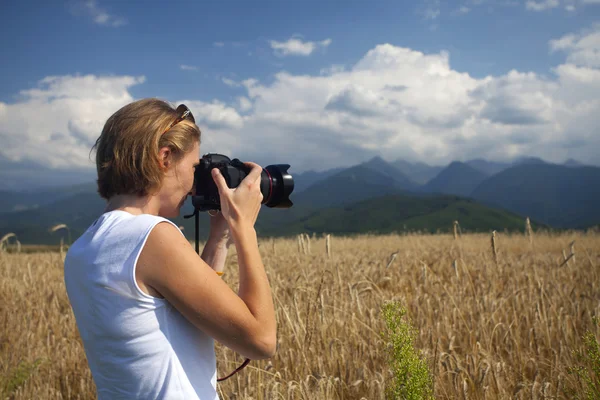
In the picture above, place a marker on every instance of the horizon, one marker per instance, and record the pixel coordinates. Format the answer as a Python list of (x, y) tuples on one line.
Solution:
[(508, 164), (314, 85)]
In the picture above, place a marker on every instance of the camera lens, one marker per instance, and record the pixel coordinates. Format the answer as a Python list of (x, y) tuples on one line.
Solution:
[(276, 185)]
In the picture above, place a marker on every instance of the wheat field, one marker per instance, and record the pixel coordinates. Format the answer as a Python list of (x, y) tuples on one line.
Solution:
[(492, 323)]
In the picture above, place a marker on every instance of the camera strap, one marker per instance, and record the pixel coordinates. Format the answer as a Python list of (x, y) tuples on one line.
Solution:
[(196, 216)]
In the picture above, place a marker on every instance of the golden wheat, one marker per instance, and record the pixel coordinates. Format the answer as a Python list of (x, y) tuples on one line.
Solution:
[(488, 330)]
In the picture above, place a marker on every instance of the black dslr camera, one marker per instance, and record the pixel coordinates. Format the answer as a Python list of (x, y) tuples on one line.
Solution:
[(276, 184)]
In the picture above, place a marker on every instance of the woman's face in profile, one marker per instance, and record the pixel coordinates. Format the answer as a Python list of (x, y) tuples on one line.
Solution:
[(178, 183)]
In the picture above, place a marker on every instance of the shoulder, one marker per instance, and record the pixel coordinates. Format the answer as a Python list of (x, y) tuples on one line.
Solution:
[(163, 240)]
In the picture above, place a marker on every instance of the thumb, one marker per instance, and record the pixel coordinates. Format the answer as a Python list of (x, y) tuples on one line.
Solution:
[(219, 180)]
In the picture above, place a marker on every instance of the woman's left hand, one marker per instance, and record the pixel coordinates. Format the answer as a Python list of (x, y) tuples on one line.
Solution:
[(219, 230)]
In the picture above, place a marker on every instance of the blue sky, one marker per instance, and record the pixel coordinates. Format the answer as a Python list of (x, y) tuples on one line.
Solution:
[(307, 82)]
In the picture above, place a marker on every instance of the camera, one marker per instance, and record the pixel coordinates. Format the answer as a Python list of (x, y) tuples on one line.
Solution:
[(276, 184)]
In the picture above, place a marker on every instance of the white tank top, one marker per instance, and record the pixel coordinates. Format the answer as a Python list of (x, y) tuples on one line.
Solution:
[(137, 346)]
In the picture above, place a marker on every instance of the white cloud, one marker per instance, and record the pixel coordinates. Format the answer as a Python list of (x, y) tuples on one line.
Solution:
[(429, 9), (57, 122), (215, 115), (395, 102), (185, 67), (230, 82), (244, 104), (297, 47), (582, 48), (100, 16), (218, 44), (541, 5), (333, 69), (569, 5)]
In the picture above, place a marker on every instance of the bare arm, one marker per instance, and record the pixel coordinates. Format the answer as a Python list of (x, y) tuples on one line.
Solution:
[(215, 255), (216, 248), (244, 322)]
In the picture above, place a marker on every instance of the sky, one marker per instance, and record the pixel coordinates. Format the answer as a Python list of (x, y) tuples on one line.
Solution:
[(314, 84)]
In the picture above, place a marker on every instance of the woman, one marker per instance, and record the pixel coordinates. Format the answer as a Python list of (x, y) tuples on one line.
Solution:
[(147, 306)]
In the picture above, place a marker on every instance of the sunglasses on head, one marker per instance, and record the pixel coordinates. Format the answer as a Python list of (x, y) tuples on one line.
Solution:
[(184, 113)]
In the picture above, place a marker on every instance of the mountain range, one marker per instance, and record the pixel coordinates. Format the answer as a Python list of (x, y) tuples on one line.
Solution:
[(375, 196)]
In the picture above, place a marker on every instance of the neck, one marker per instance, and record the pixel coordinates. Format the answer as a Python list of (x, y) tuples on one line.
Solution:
[(133, 204)]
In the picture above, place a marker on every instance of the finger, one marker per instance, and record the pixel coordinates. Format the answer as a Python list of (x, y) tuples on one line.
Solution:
[(219, 180), (255, 173)]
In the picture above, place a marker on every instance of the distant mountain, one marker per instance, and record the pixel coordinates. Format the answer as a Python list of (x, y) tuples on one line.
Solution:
[(308, 178), (351, 185), (457, 178), (399, 178), (31, 175), (398, 213), (418, 172), (78, 211), (529, 161), (557, 195), (573, 163), (488, 167), (552, 194), (24, 200)]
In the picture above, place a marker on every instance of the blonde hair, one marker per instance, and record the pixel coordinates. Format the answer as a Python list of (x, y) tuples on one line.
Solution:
[(127, 157)]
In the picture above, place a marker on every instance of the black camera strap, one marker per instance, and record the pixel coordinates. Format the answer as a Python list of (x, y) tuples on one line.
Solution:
[(196, 216)]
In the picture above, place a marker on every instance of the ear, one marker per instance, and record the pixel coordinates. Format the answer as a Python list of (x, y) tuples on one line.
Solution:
[(164, 156)]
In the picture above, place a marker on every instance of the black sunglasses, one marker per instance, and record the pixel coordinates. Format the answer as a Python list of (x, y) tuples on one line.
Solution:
[(184, 113)]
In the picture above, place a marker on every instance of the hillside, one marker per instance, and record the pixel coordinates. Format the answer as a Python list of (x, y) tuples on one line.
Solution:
[(557, 195), (398, 213), (31, 226), (23, 200)]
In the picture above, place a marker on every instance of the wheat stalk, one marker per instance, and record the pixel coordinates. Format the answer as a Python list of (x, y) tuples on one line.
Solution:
[(494, 247), (457, 232), (392, 258), (572, 246), (4, 240), (528, 230), (307, 241), (57, 228)]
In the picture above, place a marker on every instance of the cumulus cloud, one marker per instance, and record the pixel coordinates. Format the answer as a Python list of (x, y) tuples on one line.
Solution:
[(394, 102), (98, 15), (296, 47), (582, 48), (215, 115), (56, 123)]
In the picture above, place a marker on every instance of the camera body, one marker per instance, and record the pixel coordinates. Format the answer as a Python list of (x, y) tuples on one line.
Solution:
[(276, 183)]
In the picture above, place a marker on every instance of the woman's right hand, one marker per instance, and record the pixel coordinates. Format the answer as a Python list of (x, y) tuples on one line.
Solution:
[(240, 206)]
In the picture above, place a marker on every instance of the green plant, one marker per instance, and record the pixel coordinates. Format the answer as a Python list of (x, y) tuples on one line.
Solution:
[(589, 369), (411, 375), (18, 377)]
